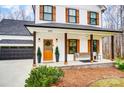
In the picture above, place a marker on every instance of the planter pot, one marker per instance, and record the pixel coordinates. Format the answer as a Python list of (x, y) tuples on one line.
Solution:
[(39, 58), (57, 58)]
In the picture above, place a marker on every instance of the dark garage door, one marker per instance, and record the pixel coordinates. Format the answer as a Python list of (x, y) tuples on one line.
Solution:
[(16, 53)]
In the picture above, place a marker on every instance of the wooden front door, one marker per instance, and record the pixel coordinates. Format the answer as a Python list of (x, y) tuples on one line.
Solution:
[(48, 49)]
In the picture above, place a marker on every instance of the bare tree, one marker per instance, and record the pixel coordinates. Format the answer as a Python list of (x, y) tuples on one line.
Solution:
[(17, 13), (113, 18)]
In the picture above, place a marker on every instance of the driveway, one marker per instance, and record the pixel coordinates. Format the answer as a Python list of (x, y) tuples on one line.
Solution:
[(14, 72)]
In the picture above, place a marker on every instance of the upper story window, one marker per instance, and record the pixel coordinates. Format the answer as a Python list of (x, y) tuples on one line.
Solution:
[(93, 18), (47, 13), (72, 15)]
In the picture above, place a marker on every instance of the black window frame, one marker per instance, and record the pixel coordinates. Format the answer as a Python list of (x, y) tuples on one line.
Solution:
[(69, 47), (93, 18), (48, 13), (72, 15)]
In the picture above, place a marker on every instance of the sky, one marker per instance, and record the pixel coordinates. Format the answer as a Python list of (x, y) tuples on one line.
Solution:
[(7, 10)]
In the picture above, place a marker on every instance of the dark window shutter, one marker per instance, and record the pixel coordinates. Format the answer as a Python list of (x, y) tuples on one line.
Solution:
[(78, 46), (66, 15), (97, 46), (77, 15), (97, 18), (54, 13), (88, 17), (41, 12)]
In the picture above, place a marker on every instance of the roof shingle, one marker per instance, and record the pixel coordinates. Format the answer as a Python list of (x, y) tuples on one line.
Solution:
[(14, 27)]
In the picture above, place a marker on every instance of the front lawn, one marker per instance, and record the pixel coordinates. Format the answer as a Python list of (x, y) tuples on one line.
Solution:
[(112, 82), (84, 77)]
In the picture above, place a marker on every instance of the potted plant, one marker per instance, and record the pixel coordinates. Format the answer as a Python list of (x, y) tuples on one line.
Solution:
[(39, 55), (57, 54)]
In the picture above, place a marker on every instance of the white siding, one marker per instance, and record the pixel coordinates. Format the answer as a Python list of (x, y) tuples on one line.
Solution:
[(60, 43), (60, 13), (53, 36)]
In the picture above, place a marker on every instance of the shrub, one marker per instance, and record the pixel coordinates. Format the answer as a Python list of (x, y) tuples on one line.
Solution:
[(43, 76), (119, 63)]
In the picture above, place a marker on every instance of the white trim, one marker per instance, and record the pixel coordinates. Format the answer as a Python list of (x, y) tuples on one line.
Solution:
[(16, 37), (83, 32), (16, 44)]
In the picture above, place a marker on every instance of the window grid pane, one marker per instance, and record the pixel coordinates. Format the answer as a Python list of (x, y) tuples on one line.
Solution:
[(72, 12), (48, 9), (93, 21), (47, 16), (72, 46), (72, 19), (93, 15)]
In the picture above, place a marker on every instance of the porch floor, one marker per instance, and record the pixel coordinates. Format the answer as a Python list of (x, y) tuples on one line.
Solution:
[(99, 63)]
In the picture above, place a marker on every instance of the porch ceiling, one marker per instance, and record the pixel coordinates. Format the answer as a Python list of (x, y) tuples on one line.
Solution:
[(71, 28)]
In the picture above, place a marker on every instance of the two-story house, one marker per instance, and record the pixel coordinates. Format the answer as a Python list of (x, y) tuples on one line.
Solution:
[(73, 28)]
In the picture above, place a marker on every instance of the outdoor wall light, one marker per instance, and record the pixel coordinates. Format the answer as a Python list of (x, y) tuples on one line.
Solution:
[(39, 39), (56, 39)]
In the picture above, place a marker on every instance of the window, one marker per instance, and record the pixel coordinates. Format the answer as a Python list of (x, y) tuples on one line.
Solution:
[(93, 18), (72, 16), (94, 45), (47, 13), (72, 46)]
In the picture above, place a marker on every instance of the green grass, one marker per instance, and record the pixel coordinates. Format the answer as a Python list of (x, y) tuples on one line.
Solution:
[(113, 82)]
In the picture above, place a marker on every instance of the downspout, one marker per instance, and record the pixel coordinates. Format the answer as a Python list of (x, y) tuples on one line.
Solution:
[(34, 7)]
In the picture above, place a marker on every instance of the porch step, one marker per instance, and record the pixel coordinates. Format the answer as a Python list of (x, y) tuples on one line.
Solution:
[(110, 64)]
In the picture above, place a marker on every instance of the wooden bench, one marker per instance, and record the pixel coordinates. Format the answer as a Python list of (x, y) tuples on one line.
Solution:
[(81, 56)]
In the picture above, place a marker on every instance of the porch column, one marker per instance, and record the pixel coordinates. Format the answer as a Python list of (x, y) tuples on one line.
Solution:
[(112, 48), (91, 48), (65, 62), (34, 49)]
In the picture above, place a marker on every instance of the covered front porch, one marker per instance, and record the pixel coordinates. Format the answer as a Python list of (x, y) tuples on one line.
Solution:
[(58, 35), (79, 64)]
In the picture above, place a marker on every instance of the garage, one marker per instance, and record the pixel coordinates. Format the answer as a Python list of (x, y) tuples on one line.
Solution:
[(16, 42), (16, 52)]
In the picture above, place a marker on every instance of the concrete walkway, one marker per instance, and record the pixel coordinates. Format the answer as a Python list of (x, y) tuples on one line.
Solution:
[(14, 72)]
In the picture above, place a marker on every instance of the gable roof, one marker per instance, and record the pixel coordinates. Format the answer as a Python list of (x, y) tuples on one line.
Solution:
[(14, 27)]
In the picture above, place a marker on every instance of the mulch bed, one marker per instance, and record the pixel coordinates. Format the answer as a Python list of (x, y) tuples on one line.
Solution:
[(83, 77)]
